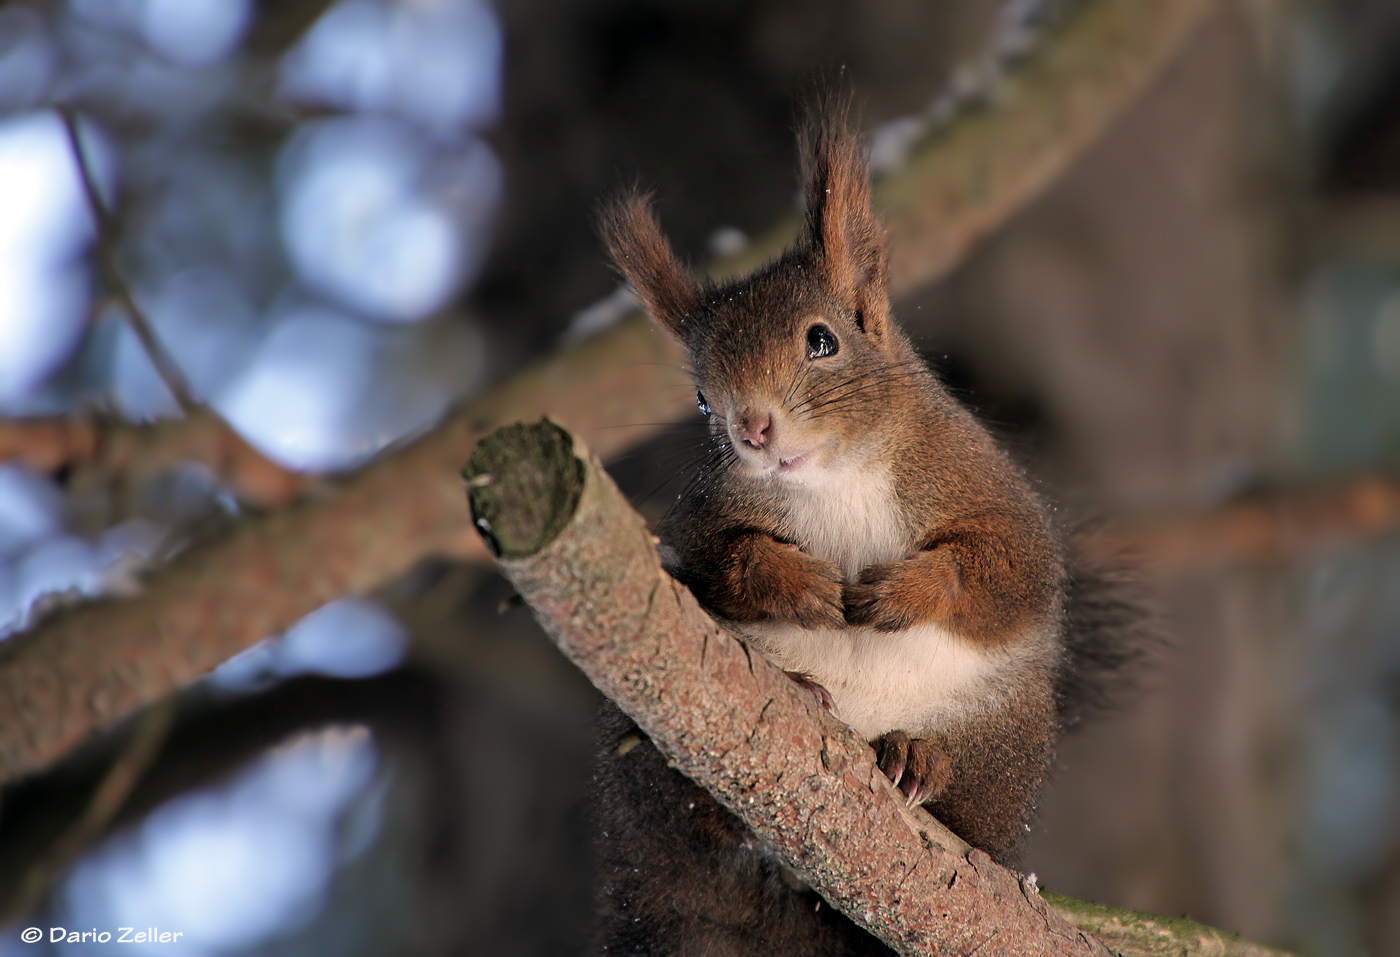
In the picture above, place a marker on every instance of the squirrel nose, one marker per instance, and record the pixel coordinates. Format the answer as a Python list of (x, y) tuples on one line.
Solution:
[(755, 429)]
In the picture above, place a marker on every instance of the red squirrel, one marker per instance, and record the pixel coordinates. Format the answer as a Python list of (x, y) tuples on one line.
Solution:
[(861, 529)]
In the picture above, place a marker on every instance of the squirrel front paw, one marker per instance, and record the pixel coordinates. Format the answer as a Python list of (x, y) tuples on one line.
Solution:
[(917, 766), (768, 580), (896, 595), (800, 588)]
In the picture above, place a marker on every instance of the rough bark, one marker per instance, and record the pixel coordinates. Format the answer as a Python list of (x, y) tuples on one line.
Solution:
[(804, 782)]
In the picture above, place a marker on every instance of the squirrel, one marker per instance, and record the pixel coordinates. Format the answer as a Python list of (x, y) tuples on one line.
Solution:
[(862, 530)]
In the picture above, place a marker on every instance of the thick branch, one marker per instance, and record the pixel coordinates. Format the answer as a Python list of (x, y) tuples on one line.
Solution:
[(97, 663), (730, 720)]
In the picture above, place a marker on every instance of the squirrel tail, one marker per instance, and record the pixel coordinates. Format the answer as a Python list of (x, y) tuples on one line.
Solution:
[(1110, 635)]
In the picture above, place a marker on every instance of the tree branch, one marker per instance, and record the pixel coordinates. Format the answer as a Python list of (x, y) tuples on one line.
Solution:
[(1278, 525), (587, 565), (139, 451), (977, 174), (93, 664), (803, 781)]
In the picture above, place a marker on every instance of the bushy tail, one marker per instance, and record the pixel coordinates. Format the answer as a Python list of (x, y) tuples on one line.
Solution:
[(1110, 636)]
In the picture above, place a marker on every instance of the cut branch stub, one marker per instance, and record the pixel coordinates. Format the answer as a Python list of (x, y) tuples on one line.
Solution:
[(524, 483)]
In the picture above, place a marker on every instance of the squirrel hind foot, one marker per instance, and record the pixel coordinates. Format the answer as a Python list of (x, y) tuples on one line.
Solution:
[(917, 766)]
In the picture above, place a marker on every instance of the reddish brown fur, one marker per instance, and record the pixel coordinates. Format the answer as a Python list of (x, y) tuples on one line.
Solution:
[(643, 255), (764, 578), (987, 563)]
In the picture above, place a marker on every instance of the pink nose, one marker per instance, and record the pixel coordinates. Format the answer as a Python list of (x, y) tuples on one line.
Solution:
[(755, 428)]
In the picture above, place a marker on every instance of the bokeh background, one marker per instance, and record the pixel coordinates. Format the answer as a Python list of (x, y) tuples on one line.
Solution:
[(344, 218)]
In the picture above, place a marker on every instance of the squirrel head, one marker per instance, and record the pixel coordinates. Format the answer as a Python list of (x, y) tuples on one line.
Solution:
[(798, 363)]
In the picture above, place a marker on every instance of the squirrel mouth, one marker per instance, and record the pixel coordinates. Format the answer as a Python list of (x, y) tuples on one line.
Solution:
[(786, 464), (794, 463)]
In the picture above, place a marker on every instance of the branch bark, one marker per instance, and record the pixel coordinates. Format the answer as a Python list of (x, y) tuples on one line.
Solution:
[(803, 781), (587, 565), (93, 664)]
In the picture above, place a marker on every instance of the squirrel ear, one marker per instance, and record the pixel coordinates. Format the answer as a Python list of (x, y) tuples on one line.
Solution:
[(846, 240), (644, 257)]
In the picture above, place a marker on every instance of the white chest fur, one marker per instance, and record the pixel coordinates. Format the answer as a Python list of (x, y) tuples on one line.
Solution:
[(919, 679), (849, 517)]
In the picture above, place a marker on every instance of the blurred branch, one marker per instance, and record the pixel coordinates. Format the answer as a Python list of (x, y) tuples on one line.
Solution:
[(164, 363), (280, 24), (113, 448), (992, 162), (134, 451), (95, 663), (736, 725), (208, 738), (1274, 526)]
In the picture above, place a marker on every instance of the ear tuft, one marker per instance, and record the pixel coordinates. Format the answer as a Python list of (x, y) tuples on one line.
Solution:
[(846, 241), (644, 258)]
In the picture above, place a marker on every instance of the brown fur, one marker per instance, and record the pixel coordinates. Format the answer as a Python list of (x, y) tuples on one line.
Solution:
[(763, 578), (979, 557)]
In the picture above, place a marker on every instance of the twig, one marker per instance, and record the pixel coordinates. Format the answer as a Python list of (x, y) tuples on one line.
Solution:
[(164, 363)]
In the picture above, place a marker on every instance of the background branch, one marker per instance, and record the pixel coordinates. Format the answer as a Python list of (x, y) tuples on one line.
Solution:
[(1271, 526), (116, 449)]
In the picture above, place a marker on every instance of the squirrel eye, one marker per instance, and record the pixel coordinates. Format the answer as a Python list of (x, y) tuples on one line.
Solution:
[(821, 342), (702, 404)]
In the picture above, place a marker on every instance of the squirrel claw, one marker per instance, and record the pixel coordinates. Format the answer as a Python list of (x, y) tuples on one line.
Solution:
[(823, 696), (917, 766)]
